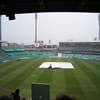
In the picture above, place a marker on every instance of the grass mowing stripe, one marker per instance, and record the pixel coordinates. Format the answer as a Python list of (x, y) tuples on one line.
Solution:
[(7, 85), (11, 78), (20, 77), (78, 79), (11, 68), (12, 75), (14, 69), (34, 73), (33, 76), (73, 86), (5, 79), (25, 86), (92, 74), (88, 86), (97, 63), (46, 75), (6, 64), (92, 66), (57, 85), (5, 68)]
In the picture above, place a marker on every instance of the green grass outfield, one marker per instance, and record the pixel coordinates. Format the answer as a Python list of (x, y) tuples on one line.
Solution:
[(83, 82)]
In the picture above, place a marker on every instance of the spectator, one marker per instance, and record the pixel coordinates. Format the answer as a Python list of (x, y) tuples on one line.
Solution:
[(12, 95), (17, 96), (23, 98), (5, 97)]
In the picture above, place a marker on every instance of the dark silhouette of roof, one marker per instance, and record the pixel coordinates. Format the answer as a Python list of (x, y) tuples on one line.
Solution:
[(11, 7)]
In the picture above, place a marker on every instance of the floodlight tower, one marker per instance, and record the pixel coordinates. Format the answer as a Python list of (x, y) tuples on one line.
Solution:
[(99, 25), (0, 31), (35, 26)]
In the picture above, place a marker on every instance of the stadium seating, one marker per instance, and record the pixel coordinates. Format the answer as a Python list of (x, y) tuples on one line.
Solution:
[(12, 48), (9, 55), (80, 47), (17, 52), (82, 56)]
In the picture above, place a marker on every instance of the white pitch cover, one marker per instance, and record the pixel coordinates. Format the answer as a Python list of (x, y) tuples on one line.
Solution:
[(57, 65)]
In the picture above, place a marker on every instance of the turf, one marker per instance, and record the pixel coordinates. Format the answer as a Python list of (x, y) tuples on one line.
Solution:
[(83, 82)]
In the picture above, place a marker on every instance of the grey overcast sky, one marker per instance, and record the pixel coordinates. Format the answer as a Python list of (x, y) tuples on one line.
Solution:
[(57, 27)]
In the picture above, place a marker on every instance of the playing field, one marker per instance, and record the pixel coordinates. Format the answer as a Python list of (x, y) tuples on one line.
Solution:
[(82, 82)]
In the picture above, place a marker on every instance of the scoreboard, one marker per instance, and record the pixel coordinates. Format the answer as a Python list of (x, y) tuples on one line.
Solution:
[(39, 44)]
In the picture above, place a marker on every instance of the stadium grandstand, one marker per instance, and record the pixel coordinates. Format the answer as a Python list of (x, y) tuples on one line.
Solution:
[(85, 50), (80, 47), (82, 50), (10, 52)]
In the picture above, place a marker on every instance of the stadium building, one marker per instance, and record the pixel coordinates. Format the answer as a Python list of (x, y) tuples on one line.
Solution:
[(80, 47)]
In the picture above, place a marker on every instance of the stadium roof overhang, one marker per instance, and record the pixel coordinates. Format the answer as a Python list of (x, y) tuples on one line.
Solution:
[(11, 7)]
